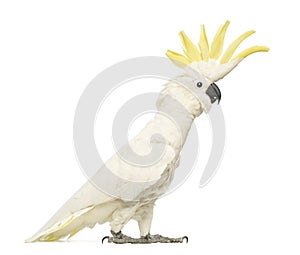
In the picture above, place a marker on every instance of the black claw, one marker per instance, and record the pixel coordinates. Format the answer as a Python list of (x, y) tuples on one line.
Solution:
[(103, 239), (185, 238)]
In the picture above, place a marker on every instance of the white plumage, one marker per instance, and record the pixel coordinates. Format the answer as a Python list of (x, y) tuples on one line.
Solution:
[(89, 205), (133, 194)]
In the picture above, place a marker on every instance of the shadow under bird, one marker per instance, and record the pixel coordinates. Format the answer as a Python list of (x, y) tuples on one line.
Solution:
[(183, 98)]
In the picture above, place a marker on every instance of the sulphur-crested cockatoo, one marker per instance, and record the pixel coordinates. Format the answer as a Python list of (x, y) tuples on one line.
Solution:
[(134, 195)]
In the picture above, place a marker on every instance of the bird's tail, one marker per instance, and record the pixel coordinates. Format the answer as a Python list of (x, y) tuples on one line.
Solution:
[(69, 226)]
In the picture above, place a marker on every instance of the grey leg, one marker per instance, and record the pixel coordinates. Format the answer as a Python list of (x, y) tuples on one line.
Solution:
[(118, 238)]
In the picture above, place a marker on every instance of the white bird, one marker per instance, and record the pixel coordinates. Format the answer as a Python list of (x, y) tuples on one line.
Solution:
[(138, 186)]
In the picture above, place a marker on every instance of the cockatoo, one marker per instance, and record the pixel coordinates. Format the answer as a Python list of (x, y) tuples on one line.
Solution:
[(127, 201)]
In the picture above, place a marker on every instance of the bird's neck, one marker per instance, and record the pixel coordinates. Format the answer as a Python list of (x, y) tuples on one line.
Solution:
[(179, 106)]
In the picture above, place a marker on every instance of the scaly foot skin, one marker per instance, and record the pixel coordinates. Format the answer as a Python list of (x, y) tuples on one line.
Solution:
[(162, 239), (119, 238)]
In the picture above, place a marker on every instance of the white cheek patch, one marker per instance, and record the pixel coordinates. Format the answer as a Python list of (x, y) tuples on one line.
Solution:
[(204, 101)]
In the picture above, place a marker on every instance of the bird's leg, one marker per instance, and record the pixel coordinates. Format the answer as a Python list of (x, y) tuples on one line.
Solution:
[(118, 238), (145, 221), (144, 218)]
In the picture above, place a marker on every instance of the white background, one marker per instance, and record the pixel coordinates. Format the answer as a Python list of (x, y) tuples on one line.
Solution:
[(50, 51)]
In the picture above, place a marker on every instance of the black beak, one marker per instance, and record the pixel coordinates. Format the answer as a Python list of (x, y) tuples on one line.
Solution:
[(214, 93)]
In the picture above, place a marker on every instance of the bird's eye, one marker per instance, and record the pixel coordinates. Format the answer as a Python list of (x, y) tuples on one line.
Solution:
[(199, 84)]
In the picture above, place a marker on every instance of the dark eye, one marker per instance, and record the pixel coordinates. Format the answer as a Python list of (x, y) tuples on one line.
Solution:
[(199, 84)]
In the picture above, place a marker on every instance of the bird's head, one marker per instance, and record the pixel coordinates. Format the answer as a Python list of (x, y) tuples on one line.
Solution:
[(206, 64)]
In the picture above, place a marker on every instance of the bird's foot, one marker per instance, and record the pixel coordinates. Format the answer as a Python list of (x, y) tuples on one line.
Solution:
[(162, 239), (119, 238)]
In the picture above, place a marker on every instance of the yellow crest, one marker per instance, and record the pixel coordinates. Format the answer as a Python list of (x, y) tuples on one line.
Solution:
[(212, 55)]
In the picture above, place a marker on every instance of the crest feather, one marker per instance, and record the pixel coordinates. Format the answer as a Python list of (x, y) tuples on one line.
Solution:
[(177, 57), (249, 51), (203, 44), (218, 42), (189, 48), (205, 59), (233, 46)]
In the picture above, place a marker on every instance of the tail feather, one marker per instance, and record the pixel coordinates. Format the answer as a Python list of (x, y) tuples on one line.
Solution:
[(68, 227), (84, 209), (60, 229)]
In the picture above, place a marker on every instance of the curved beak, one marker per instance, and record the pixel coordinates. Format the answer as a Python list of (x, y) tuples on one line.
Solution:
[(214, 93)]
